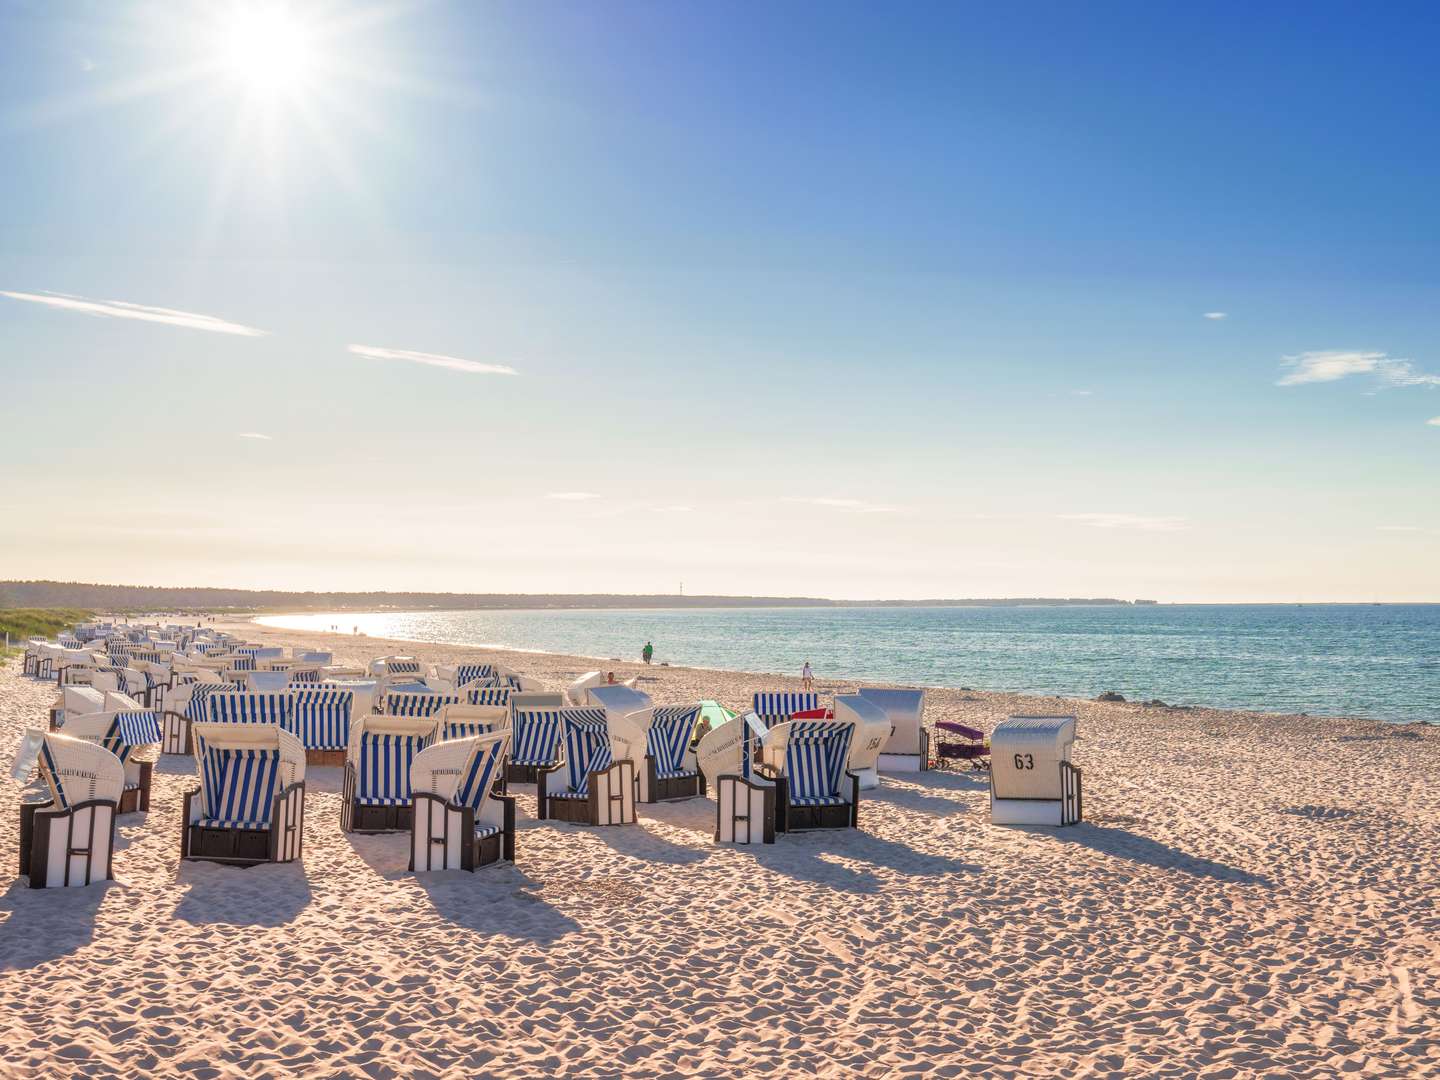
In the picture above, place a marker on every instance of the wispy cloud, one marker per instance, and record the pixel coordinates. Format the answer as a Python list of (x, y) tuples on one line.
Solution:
[(120, 309), (1434, 421), (1398, 528), (1332, 365), (1082, 393), (853, 506), (673, 509), (1217, 315), (453, 363), (1143, 522), (572, 496), (254, 435)]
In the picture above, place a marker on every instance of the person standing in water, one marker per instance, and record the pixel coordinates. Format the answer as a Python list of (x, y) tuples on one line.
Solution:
[(647, 652), (807, 677)]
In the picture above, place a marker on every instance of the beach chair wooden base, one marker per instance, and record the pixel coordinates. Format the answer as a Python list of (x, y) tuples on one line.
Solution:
[(517, 773), (744, 811), (609, 800), (135, 799), (334, 759), (282, 842), (67, 848), (792, 818), (670, 789), (378, 819), (442, 836)]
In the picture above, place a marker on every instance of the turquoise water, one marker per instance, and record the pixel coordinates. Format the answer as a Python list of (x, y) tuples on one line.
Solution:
[(1324, 659)]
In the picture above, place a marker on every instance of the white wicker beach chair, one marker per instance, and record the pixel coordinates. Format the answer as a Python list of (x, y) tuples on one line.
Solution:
[(595, 784), (69, 838), (73, 701), (744, 798), (536, 740), (250, 806), (872, 732), (320, 717), (133, 736), (467, 721), (459, 821), (779, 706), (415, 699), (376, 794), (474, 694)]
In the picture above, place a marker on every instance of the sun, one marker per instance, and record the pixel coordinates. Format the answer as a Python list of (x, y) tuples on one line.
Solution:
[(266, 48)]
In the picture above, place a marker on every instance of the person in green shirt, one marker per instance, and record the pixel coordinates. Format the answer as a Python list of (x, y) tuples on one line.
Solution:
[(647, 652)]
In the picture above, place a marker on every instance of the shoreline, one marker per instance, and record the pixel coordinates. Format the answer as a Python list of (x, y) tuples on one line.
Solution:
[(250, 623), (560, 668)]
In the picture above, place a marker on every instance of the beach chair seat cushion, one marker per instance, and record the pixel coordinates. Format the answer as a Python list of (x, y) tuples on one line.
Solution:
[(232, 823), (816, 800), (483, 831), (674, 774)]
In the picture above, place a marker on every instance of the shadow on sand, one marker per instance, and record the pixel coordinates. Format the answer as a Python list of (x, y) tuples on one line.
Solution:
[(38, 925), (1124, 844), (270, 894), (827, 857), (499, 899)]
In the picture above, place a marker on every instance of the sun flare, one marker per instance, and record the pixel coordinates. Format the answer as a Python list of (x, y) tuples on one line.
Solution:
[(266, 48)]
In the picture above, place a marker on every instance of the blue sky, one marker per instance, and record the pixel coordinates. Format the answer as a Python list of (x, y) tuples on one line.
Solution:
[(847, 300)]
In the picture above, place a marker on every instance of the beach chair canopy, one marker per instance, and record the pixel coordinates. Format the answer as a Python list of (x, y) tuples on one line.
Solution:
[(381, 751), (778, 706), (242, 768), (416, 700), (538, 733), (816, 756), (249, 707), (461, 675), (589, 747), (267, 680), (122, 732), (905, 709), (320, 717), (575, 693), (872, 730), (468, 721), (75, 770), (730, 748), (475, 694), (667, 739)]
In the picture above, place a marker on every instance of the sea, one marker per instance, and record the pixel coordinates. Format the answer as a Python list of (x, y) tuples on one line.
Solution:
[(1375, 661)]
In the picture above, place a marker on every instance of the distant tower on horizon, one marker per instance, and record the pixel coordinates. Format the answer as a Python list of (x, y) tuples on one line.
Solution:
[(682, 588)]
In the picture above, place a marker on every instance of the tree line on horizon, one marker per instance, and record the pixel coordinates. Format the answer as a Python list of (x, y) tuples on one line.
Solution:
[(74, 594)]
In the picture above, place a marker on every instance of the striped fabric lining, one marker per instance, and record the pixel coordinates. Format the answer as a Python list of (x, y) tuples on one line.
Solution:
[(417, 702), (488, 695), (402, 667), (250, 707), (669, 738), (537, 736), (130, 729), (320, 718), (776, 707), (587, 746), (195, 709), (239, 785), (815, 757), (465, 729), (52, 774), (479, 776), (385, 758), (468, 673)]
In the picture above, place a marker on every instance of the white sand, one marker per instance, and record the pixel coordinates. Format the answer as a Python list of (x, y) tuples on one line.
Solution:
[(1251, 895)]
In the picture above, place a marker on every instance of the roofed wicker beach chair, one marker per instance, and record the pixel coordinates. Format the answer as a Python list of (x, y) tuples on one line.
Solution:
[(459, 821), (814, 788), (250, 707), (415, 700), (133, 736), (670, 771), (459, 676), (744, 798), (68, 838), (320, 717), (267, 680), (468, 721), (376, 795), (486, 695), (75, 701), (778, 706), (596, 783), (250, 805), (184, 707), (535, 742)]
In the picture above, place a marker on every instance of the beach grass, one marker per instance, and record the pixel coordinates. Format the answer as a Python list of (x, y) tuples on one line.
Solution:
[(22, 623)]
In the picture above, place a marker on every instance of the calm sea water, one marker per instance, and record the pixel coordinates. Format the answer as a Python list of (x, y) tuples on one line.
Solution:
[(1339, 660)]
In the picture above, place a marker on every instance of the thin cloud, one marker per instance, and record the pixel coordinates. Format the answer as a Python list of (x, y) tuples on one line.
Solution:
[(1397, 528), (853, 506), (1082, 393), (120, 309), (1332, 365), (453, 363), (1434, 421), (572, 496), (1217, 315), (673, 509), (1143, 522), (254, 435)]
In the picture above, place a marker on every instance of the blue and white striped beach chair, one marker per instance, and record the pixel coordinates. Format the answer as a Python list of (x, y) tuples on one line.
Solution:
[(468, 721), (460, 821), (133, 736), (463, 675), (779, 706), (185, 706), (320, 718), (250, 806), (595, 784), (416, 701), (535, 742), (72, 835), (815, 788), (376, 795), (250, 707), (670, 771), (487, 695)]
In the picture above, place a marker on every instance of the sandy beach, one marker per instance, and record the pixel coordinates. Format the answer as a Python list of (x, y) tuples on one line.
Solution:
[(1251, 895)]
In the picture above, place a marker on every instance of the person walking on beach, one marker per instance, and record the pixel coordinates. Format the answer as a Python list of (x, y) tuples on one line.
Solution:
[(647, 652), (807, 677)]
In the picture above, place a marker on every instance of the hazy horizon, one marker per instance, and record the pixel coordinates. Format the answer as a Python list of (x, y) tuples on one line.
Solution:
[(817, 299)]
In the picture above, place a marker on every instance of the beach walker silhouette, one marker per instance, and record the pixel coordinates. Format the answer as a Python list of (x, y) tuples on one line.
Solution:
[(647, 652)]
